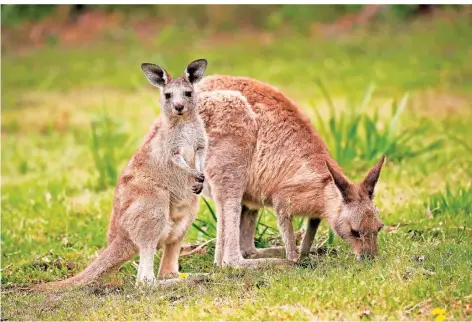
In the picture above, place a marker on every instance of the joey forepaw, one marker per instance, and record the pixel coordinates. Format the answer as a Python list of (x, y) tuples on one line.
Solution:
[(197, 188), (199, 177)]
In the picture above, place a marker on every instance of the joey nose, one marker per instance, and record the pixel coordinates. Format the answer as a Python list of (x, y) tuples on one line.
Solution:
[(179, 108)]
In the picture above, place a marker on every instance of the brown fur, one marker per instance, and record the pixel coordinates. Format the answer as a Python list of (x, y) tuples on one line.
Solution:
[(278, 161), (155, 200)]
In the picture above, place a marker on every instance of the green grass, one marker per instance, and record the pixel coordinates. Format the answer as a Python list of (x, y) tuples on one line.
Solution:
[(72, 117), (353, 135), (110, 143), (454, 201)]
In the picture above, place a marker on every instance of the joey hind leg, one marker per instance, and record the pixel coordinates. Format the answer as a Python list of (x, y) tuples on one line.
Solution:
[(146, 265), (169, 265), (146, 221)]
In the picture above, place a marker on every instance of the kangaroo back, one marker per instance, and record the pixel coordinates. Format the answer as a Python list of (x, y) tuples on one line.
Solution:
[(227, 113)]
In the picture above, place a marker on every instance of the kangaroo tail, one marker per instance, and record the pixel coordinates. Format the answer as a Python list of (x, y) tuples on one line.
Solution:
[(117, 252)]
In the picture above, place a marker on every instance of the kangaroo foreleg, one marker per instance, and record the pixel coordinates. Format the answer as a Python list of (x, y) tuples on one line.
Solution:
[(247, 232), (307, 241)]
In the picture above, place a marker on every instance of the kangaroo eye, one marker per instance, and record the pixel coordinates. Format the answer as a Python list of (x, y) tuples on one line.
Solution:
[(188, 94), (168, 95), (355, 233)]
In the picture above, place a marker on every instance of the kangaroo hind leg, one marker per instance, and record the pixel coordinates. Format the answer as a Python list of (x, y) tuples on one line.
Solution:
[(228, 208)]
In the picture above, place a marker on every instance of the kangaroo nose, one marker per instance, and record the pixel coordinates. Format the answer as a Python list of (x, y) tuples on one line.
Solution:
[(179, 108)]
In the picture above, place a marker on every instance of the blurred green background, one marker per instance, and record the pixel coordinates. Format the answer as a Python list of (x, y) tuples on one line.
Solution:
[(372, 79), (215, 16)]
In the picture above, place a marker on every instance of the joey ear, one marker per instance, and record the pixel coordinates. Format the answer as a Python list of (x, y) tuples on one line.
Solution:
[(343, 185), (195, 70), (372, 177), (155, 74)]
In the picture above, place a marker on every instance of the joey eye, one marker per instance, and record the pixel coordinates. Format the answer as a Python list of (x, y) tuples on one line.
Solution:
[(188, 94), (168, 95), (380, 228), (355, 233)]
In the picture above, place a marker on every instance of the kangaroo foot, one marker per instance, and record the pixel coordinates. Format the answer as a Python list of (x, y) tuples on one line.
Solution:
[(259, 262), (270, 252)]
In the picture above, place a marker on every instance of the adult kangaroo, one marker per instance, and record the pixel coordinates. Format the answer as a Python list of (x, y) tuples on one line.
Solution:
[(264, 152)]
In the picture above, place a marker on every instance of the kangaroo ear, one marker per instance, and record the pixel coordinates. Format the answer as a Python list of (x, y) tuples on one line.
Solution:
[(156, 75), (372, 177), (343, 185), (194, 71)]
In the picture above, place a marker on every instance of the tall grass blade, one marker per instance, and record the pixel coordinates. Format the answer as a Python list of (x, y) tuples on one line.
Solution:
[(197, 227), (399, 110), (210, 209), (330, 238)]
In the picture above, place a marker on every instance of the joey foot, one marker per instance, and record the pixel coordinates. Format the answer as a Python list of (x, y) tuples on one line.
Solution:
[(181, 275), (168, 275), (174, 278)]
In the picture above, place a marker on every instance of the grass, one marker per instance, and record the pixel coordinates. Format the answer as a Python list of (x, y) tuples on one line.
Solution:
[(110, 143), (72, 117), (454, 201), (354, 135)]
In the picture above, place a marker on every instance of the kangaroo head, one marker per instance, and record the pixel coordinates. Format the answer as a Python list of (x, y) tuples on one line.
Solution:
[(358, 220), (177, 96)]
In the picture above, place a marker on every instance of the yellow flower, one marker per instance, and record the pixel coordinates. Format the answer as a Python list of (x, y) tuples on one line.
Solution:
[(440, 318), (440, 314), (438, 311), (183, 275)]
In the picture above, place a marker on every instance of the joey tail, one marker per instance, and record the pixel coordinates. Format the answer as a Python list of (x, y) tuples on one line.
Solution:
[(113, 256)]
